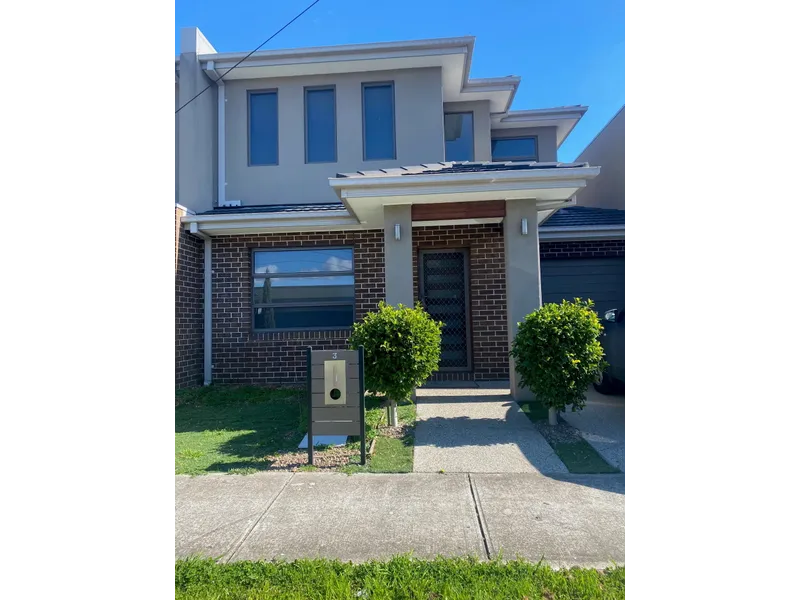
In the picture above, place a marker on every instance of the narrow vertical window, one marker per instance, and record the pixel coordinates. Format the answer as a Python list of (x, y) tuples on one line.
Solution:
[(459, 140), (263, 128), (320, 125), (378, 115)]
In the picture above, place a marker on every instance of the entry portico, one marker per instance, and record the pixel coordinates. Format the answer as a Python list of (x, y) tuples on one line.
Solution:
[(468, 193)]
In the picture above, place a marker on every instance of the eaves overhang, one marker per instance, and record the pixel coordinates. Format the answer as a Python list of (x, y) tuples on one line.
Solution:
[(554, 187), (254, 222), (590, 232), (563, 118), (452, 55)]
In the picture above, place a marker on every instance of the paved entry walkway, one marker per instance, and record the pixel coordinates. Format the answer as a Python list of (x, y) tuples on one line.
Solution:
[(478, 431)]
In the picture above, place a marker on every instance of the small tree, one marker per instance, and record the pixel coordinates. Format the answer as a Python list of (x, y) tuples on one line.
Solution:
[(558, 355), (401, 349)]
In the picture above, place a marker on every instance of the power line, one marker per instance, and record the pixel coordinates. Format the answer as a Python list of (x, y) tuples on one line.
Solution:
[(307, 8)]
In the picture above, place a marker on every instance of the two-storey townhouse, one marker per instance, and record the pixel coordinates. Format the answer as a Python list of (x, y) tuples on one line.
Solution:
[(315, 182)]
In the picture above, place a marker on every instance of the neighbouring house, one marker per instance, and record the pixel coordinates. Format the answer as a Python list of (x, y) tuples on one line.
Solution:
[(583, 246), (314, 182)]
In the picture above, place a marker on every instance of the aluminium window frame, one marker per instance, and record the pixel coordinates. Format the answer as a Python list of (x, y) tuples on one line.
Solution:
[(464, 112), (250, 93), (254, 276), (320, 88), (535, 139), (364, 86)]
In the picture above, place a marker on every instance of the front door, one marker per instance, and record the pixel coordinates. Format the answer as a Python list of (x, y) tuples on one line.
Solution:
[(444, 293)]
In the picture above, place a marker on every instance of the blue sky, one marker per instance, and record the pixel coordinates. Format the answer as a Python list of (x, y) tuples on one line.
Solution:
[(566, 53)]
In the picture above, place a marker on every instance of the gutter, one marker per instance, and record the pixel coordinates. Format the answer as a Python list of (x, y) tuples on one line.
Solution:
[(587, 232), (207, 290), (440, 177), (241, 223)]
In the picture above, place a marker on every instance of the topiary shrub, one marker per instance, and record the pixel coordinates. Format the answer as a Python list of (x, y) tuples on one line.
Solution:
[(402, 346), (557, 353)]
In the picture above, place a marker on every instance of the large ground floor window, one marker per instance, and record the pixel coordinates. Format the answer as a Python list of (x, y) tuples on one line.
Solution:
[(310, 288)]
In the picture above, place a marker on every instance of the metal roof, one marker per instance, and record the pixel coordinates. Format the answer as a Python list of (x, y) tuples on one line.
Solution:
[(276, 208), (450, 168), (585, 216)]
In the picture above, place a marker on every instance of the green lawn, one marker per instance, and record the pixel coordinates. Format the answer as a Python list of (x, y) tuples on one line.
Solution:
[(235, 428), (392, 455), (576, 453), (400, 577)]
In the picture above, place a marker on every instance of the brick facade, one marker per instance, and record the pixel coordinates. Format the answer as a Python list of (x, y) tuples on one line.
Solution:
[(243, 356), (489, 327), (188, 306), (584, 249)]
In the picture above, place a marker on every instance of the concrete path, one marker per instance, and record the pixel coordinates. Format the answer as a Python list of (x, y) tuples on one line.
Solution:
[(602, 424), (569, 520), (478, 431)]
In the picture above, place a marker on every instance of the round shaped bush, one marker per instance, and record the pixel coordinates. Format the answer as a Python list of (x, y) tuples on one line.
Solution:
[(401, 349), (557, 353)]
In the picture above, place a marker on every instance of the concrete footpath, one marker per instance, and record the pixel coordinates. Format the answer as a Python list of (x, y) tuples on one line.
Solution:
[(568, 520)]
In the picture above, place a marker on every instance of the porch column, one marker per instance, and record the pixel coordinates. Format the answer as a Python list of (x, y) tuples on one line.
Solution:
[(523, 279), (398, 255)]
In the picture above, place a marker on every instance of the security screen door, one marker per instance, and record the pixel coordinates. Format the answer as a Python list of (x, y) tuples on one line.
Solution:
[(444, 293)]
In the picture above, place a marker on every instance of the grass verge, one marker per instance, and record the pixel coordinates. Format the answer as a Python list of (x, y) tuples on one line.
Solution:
[(576, 453), (400, 577)]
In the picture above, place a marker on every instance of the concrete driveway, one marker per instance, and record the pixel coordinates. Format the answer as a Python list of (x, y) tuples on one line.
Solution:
[(602, 424)]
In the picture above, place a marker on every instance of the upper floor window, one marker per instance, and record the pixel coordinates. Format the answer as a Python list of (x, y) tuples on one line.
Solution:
[(521, 148), (262, 115), (378, 116), (459, 141), (303, 288), (320, 124)]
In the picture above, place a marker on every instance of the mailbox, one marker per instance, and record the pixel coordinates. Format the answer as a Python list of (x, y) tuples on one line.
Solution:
[(335, 382), (335, 395)]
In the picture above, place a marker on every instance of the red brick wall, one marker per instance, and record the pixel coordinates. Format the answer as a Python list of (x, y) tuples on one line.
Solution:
[(489, 328), (243, 356), (188, 307)]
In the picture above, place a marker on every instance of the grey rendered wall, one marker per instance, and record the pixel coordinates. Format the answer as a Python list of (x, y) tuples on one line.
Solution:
[(607, 150), (196, 132), (482, 125), (546, 139), (419, 134)]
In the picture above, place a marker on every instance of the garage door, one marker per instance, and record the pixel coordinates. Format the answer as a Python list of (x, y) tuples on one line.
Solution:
[(601, 279)]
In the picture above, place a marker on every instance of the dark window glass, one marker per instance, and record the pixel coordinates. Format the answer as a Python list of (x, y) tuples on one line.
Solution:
[(320, 126), (303, 317), (378, 103), (514, 149), (303, 289), (282, 290), (458, 136), (263, 128)]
